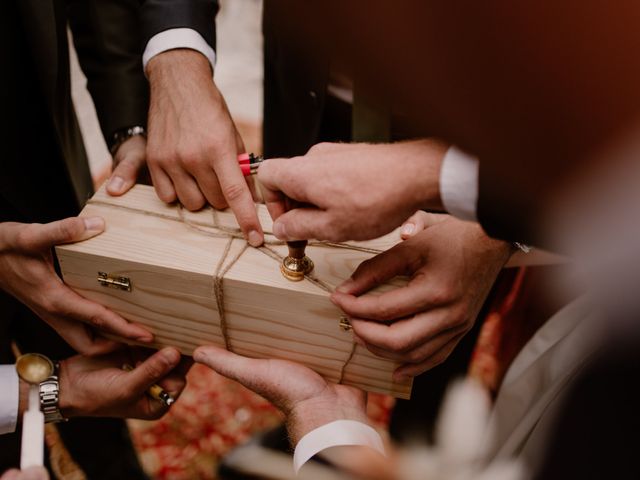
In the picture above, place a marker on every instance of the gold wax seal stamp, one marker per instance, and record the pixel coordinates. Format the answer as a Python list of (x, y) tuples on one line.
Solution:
[(296, 265)]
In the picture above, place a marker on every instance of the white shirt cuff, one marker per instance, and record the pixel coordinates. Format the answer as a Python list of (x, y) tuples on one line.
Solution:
[(177, 38), (9, 398), (334, 434), (459, 177)]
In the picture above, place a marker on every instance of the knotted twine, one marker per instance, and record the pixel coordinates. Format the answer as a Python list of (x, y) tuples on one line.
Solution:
[(221, 269)]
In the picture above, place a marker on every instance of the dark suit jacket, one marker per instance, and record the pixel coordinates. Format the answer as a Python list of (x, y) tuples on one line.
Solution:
[(39, 126), (44, 174)]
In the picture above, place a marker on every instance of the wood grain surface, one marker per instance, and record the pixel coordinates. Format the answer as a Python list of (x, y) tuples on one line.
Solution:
[(171, 265)]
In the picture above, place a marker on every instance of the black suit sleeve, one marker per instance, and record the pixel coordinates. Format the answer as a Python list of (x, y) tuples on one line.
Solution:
[(161, 15), (508, 207), (106, 35)]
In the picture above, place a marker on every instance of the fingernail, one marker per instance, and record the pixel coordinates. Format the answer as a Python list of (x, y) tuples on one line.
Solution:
[(171, 355), (146, 338), (279, 230), (346, 286), (115, 184), (408, 229), (94, 224), (198, 356), (255, 239)]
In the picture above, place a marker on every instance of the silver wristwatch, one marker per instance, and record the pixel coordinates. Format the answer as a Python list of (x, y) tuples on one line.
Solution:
[(49, 398)]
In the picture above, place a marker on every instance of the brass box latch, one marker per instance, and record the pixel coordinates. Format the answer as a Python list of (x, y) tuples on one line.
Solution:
[(115, 281)]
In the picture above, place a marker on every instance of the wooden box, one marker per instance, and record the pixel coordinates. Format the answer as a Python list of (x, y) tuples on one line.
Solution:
[(156, 264)]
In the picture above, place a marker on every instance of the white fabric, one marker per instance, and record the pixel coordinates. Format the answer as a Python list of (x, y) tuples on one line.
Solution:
[(9, 398), (335, 434), (177, 38), (531, 395), (459, 184)]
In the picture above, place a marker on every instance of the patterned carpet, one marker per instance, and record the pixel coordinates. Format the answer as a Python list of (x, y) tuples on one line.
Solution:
[(212, 416)]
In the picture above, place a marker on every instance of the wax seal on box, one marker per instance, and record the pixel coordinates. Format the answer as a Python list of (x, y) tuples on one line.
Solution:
[(296, 265)]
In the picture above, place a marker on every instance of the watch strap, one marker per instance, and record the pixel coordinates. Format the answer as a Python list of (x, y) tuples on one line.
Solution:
[(49, 399), (122, 135)]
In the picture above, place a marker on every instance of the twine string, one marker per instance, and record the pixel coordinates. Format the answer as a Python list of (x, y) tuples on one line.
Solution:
[(222, 267)]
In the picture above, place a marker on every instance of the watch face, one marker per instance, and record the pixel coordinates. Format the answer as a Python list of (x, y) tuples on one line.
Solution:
[(48, 387)]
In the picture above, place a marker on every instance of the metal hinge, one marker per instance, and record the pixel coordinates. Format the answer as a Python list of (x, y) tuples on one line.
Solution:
[(106, 280)]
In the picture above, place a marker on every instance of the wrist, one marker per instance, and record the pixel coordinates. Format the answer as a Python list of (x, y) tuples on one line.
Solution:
[(66, 402), (311, 414), (430, 156), (174, 63)]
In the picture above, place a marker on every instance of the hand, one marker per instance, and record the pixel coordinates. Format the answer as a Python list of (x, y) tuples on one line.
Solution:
[(193, 144), (98, 387), (27, 273), (452, 265), (31, 473), (351, 191), (128, 164), (307, 400)]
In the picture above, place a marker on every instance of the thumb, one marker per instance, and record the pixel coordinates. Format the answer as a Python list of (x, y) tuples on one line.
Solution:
[(75, 229), (306, 223), (126, 172), (151, 371), (241, 369), (254, 374)]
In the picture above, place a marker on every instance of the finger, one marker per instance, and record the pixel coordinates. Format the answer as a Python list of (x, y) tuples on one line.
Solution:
[(151, 371), (425, 348), (125, 174), (275, 201), (401, 336), (324, 148), (210, 186), (69, 305), (289, 176), (162, 184), (175, 382), (307, 223), (37, 237), (237, 194), (414, 224), (282, 382), (416, 296), (81, 337), (411, 370), (399, 260), (236, 367), (187, 190)]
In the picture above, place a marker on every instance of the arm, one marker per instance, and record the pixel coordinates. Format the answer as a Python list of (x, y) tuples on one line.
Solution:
[(27, 272), (452, 266), (99, 387), (352, 191), (107, 39), (319, 414), (193, 142), (106, 35)]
